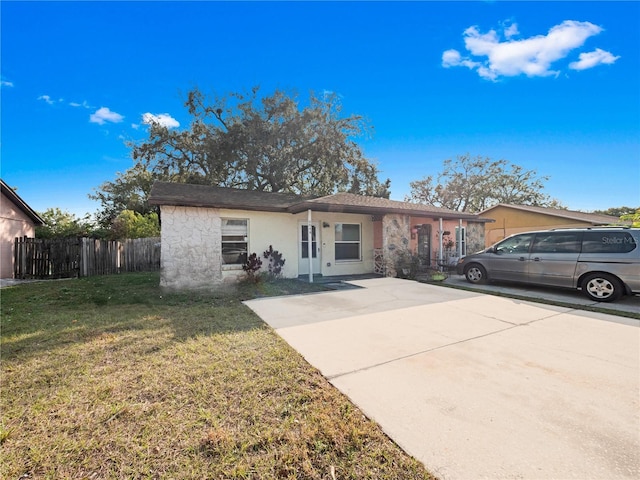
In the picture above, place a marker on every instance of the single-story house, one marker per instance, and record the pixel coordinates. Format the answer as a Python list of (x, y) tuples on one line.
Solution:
[(17, 219), (510, 219), (207, 233)]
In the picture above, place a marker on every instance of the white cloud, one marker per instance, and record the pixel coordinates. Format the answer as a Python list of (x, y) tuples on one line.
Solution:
[(6, 83), (593, 59), (162, 119), (531, 56), (46, 98), (511, 30), (84, 104), (451, 58), (103, 115)]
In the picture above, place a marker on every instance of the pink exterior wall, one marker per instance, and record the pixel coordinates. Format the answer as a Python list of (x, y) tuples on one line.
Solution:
[(447, 225), (13, 223)]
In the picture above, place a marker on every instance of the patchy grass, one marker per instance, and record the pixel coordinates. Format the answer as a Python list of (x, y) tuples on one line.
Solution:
[(109, 377)]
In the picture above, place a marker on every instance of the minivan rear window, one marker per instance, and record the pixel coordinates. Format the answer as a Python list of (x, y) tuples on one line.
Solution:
[(608, 242)]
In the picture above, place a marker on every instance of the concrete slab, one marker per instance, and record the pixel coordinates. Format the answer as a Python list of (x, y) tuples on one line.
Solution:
[(477, 386)]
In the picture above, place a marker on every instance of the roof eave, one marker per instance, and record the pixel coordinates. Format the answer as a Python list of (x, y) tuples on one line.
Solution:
[(372, 210), (21, 204)]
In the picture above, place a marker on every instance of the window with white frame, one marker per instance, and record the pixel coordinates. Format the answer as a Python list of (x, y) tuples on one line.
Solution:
[(347, 241), (461, 240), (235, 245)]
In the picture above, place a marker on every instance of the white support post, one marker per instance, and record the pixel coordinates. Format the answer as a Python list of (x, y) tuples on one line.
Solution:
[(440, 248), (310, 245), (460, 240)]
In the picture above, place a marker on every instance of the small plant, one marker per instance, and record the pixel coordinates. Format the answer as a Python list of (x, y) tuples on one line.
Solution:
[(275, 262), (407, 265), (448, 243), (251, 267)]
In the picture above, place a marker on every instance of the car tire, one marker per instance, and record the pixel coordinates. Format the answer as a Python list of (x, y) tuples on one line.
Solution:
[(475, 273), (602, 287)]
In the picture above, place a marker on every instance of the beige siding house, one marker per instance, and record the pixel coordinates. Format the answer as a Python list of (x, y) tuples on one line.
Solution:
[(511, 219), (208, 232), (17, 219)]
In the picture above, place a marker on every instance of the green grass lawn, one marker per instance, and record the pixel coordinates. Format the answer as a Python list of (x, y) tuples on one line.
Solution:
[(110, 377)]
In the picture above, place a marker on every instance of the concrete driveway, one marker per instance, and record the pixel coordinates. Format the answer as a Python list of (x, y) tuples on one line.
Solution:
[(477, 386)]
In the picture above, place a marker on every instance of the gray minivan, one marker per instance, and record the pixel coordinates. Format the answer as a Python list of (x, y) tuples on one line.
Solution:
[(602, 262)]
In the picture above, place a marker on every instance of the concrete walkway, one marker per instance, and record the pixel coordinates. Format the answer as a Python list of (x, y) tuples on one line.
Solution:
[(477, 386)]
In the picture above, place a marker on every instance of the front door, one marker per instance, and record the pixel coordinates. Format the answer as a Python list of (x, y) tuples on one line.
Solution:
[(303, 249), (424, 245)]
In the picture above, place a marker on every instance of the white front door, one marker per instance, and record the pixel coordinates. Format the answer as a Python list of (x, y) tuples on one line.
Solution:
[(303, 248)]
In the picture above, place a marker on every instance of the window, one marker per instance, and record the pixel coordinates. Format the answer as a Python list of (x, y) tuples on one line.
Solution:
[(347, 241), (304, 242), (518, 244), (608, 242), (557, 242), (461, 240), (234, 241)]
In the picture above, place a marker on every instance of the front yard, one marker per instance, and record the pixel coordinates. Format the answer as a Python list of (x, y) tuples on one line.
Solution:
[(109, 377)]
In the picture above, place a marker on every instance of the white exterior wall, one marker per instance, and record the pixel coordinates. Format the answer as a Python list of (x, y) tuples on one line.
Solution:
[(192, 244), (328, 264)]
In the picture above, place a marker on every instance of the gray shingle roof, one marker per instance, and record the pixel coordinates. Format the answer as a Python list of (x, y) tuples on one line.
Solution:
[(164, 193), (188, 195)]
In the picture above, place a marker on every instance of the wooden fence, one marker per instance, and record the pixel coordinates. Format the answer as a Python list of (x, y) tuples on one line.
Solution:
[(83, 257)]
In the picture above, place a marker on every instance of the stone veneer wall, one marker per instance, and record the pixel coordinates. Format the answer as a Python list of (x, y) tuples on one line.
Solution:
[(475, 237), (191, 255), (396, 238)]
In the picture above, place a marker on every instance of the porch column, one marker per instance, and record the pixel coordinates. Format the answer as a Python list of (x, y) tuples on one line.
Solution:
[(310, 245)]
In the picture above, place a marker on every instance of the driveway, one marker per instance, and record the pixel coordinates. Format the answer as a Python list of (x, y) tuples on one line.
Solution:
[(477, 386)]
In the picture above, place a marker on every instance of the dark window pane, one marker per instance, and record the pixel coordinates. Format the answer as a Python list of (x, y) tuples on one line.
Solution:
[(305, 249), (557, 242), (234, 253), (347, 251), (608, 242), (347, 232)]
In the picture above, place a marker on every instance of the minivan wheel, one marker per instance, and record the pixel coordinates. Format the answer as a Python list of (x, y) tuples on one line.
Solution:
[(475, 273), (602, 287)]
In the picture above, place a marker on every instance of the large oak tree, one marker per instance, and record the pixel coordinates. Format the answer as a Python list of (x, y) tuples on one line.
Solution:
[(269, 143), (472, 184)]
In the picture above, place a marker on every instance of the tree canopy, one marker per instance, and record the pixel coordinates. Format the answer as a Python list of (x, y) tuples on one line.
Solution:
[(472, 184), (269, 143), (61, 224)]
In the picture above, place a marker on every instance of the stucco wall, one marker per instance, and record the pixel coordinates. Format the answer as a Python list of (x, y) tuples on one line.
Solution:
[(13, 223), (192, 248)]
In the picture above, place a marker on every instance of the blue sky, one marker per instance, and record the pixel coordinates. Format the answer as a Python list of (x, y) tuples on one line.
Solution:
[(551, 86)]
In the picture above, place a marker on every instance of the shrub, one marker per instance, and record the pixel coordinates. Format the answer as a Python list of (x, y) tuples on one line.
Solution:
[(406, 264), (275, 262), (251, 267)]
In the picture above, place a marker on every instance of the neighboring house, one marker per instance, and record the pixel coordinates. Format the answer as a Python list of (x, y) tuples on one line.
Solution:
[(510, 219), (17, 219), (207, 233)]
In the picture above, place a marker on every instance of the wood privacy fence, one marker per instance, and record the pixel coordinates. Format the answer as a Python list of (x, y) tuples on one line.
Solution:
[(83, 257)]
